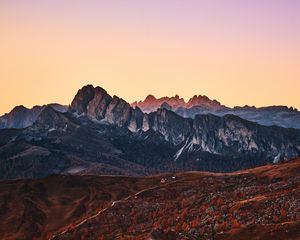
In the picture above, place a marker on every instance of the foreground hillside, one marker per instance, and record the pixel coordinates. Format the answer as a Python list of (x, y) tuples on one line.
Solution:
[(262, 203)]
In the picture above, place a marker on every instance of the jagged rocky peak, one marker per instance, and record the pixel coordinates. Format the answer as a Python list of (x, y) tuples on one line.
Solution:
[(151, 104), (203, 101), (97, 104), (197, 100), (149, 101), (150, 98), (18, 109), (82, 99), (96, 108), (16, 118)]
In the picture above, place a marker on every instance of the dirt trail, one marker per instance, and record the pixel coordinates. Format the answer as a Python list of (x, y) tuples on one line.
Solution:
[(112, 205)]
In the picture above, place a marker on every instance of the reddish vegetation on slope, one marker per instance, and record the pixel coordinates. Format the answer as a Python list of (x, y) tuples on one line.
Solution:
[(261, 203), (35, 209)]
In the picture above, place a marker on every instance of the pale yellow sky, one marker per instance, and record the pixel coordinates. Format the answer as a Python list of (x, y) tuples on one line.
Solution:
[(47, 57)]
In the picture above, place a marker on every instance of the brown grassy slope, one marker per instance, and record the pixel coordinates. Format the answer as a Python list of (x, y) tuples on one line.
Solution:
[(262, 203), (33, 209)]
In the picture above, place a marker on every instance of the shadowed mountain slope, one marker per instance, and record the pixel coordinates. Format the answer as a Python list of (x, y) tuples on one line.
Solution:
[(22, 117)]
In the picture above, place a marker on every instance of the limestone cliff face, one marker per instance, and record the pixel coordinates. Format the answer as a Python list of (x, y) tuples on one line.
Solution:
[(136, 120), (231, 135), (118, 112), (82, 99), (174, 128), (97, 106), (228, 135)]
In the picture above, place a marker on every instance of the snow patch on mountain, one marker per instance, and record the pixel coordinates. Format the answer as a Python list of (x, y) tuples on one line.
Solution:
[(186, 145)]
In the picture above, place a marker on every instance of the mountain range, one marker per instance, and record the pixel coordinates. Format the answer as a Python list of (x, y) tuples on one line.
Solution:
[(104, 134), (283, 116), (151, 104)]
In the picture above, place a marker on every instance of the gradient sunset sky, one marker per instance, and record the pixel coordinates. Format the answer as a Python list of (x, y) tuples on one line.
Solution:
[(236, 51)]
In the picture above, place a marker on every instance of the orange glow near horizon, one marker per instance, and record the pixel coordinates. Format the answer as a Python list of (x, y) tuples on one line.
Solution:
[(46, 58)]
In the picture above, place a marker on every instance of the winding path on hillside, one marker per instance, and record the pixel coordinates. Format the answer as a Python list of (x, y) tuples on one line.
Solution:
[(87, 219)]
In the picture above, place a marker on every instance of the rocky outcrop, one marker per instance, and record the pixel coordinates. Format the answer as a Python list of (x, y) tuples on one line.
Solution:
[(99, 105)]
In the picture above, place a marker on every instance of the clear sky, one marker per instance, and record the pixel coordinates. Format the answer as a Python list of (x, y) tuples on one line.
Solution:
[(236, 51)]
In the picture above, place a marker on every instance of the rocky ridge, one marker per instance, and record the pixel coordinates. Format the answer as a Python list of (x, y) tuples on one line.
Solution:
[(22, 117), (209, 133), (151, 104)]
